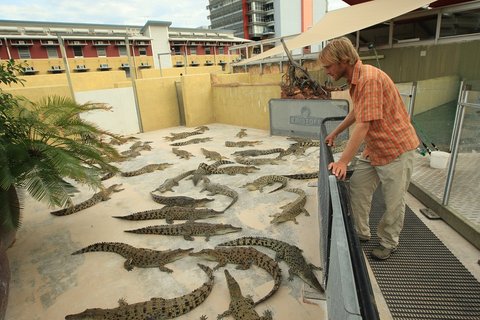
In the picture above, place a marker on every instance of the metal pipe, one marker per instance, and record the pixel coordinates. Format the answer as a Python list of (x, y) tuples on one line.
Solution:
[(67, 66), (133, 78), (413, 95), (8, 49), (454, 153), (455, 123)]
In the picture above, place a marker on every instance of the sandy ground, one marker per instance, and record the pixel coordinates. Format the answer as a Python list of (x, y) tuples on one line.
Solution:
[(49, 283)]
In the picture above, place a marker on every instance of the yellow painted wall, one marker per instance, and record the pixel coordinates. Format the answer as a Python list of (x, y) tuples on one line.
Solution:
[(85, 81), (197, 100), (435, 92), (235, 78), (244, 105), (36, 93), (175, 72), (158, 103), (81, 81)]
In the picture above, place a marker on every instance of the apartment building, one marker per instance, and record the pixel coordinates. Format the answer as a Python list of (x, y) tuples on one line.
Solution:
[(262, 19), (48, 47)]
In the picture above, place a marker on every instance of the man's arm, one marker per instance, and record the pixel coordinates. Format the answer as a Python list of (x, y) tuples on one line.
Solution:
[(347, 122), (339, 168)]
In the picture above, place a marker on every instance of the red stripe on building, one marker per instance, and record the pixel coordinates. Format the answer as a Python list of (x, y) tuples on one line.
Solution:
[(245, 19)]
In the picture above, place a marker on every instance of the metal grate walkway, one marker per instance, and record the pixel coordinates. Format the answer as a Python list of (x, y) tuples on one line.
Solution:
[(422, 279)]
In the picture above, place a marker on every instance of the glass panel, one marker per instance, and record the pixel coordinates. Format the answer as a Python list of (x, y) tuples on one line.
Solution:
[(465, 186), (122, 51), (77, 52), (460, 23), (52, 52), (377, 35), (24, 53), (101, 52), (423, 28)]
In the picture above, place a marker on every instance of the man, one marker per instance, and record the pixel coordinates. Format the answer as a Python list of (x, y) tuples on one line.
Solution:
[(382, 122)]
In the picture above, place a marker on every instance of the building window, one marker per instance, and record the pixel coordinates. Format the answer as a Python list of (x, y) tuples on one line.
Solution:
[(221, 50), (24, 52), (208, 50), (52, 52), (193, 50), (142, 51), (77, 52), (122, 51), (101, 52)]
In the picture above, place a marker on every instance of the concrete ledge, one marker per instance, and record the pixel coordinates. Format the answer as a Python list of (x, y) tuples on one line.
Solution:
[(448, 214)]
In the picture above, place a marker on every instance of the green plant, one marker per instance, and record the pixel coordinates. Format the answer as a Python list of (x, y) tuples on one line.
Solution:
[(45, 146)]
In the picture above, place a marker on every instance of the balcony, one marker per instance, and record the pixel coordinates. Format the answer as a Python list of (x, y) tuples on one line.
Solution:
[(104, 67), (29, 71), (56, 69), (81, 68)]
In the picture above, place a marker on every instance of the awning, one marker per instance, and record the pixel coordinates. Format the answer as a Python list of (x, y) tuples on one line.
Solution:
[(344, 21)]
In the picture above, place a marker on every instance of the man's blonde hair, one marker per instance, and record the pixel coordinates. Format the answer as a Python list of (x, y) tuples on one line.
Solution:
[(339, 50)]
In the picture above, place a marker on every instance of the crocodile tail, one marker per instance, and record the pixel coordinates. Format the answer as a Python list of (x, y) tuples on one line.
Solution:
[(143, 215), (207, 270), (116, 247)]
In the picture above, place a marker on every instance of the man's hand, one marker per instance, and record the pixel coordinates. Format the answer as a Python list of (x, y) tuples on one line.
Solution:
[(330, 139), (339, 169)]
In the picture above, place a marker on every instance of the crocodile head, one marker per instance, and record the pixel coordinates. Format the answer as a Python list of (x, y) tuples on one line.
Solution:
[(207, 254), (228, 228), (88, 314), (232, 284)]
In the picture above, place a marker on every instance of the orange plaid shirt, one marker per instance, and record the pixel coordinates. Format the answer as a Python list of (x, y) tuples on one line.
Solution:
[(377, 100)]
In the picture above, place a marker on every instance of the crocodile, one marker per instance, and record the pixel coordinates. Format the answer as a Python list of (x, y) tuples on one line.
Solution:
[(212, 155), (188, 230), (168, 184), (146, 169), (127, 155), (254, 152), (138, 257), (302, 176), (180, 201), (241, 144), (107, 176), (155, 308), (199, 173), (202, 128), (205, 169), (242, 133), (121, 140), (293, 209), (292, 255), (234, 170), (244, 257), (191, 141), (257, 161), (172, 213), (240, 307), (299, 139), (216, 188), (137, 146), (182, 154), (182, 135), (262, 182), (102, 195)]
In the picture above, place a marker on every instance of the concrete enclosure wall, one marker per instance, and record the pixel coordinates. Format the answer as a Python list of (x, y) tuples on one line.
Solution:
[(123, 117), (158, 103)]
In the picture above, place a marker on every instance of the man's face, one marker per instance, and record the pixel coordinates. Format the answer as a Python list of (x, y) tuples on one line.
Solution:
[(335, 70)]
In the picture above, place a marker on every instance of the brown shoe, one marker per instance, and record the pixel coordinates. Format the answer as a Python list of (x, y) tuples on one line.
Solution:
[(382, 253)]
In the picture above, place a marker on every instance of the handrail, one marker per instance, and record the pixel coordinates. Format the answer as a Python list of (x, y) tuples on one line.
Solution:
[(366, 300)]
